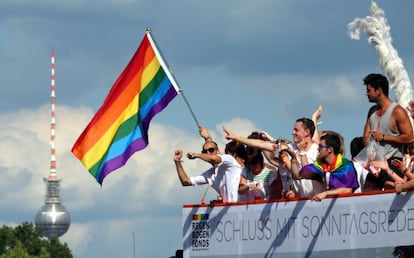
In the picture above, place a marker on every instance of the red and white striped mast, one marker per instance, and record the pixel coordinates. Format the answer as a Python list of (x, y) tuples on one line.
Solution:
[(52, 174), (53, 218)]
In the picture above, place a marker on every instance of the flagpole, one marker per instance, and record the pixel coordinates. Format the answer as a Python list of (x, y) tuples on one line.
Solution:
[(170, 74)]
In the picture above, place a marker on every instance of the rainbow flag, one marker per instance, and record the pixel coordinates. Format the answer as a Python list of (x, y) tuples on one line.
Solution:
[(120, 127)]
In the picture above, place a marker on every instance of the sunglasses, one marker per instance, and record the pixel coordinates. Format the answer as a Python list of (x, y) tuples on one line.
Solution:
[(210, 150), (323, 146)]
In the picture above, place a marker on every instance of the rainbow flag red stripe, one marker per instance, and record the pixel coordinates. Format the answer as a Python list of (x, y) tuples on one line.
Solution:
[(120, 127), (201, 216)]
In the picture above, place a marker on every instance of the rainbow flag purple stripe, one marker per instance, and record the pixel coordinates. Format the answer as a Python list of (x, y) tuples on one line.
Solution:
[(120, 127)]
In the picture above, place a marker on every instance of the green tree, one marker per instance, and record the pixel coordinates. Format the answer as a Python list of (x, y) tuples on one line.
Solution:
[(30, 237), (26, 241), (18, 251), (7, 239)]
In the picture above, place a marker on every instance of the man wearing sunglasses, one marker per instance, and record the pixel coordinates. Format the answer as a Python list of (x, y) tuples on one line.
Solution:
[(223, 176), (336, 172)]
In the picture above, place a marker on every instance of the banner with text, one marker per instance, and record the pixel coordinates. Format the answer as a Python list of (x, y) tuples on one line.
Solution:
[(303, 227)]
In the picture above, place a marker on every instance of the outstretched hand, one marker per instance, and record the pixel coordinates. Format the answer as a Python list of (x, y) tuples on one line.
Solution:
[(318, 197), (266, 136), (191, 155), (229, 135)]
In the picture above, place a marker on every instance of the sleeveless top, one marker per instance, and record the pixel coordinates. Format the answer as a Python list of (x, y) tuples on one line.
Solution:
[(382, 124)]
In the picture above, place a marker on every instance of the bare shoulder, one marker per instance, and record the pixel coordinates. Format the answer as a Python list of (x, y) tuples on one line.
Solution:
[(400, 113)]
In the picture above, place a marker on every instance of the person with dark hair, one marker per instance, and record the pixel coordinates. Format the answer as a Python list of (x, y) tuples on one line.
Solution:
[(356, 146), (387, 125), (335, 171), (237, 150), (258, 180), (223, 176), (377, 81), (368, 182), (304, 150)]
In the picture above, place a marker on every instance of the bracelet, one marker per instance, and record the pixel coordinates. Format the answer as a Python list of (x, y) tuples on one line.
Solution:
[(208, 139), (383, 136), (294, 161), (302, 153)]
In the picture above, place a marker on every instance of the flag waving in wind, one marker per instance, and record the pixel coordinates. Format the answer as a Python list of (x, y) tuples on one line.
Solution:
[(120, 127)]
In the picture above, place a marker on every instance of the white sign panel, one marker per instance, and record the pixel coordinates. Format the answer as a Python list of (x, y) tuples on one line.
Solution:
[(368, 223)]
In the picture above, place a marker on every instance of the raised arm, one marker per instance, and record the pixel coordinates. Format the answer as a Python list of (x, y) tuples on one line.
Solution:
[(204, 133), (182, 175), (257, 143), (213, 159), (315, 117)]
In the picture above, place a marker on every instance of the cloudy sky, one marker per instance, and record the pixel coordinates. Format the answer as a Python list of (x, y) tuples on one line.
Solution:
[(249, 65)]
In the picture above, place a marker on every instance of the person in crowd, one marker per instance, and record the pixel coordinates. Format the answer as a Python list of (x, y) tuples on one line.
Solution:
[(305, 151), (356, 146), (223, 176), (367, 181), (407, 166), (387, 124), (385, 168), (237, 150), (275, 158), (258, 180), (336, 172)]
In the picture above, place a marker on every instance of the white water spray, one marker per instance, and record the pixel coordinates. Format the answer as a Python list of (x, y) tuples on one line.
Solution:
[(379, 36)]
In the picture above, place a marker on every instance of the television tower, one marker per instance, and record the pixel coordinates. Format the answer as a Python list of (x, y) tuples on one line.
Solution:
[(52, 218)]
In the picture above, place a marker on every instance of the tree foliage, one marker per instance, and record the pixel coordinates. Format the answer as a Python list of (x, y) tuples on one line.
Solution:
[(27, 241)]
